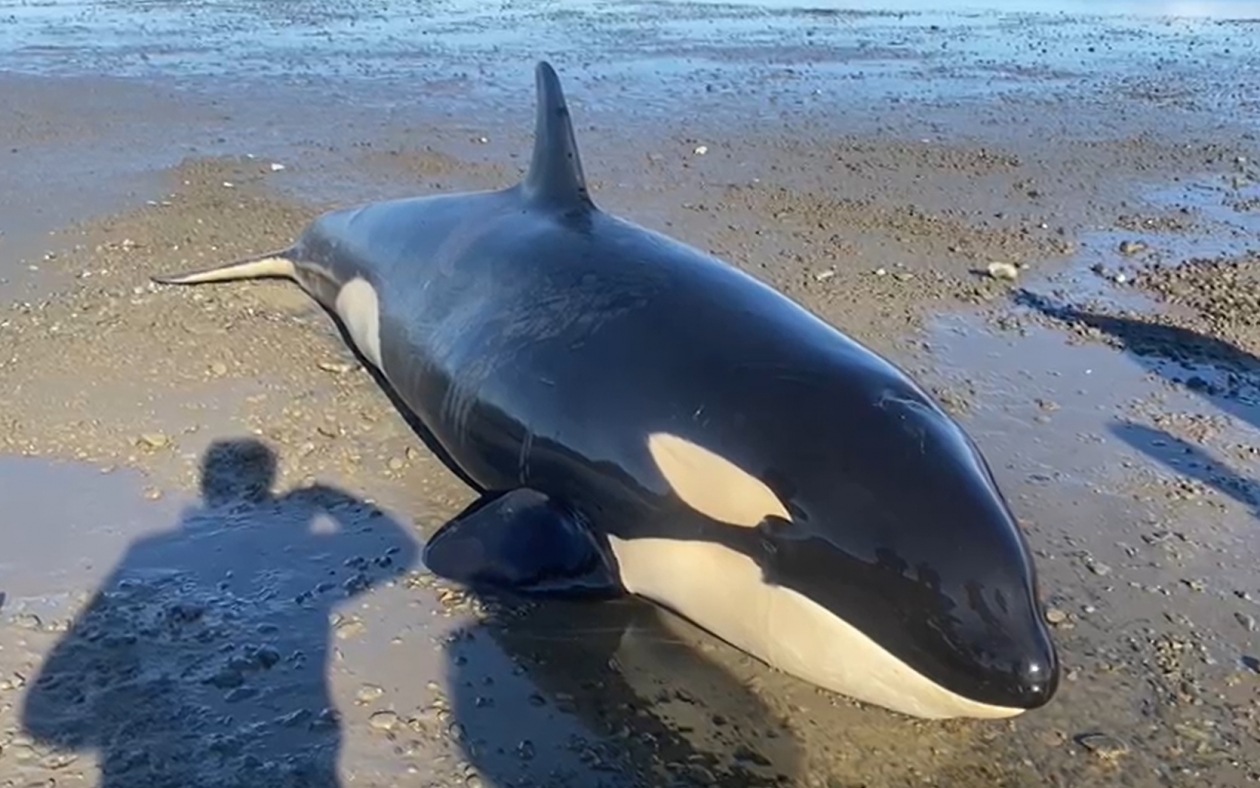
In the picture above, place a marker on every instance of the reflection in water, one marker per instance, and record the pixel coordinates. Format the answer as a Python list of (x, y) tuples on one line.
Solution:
[(655, 710), (202, 659)]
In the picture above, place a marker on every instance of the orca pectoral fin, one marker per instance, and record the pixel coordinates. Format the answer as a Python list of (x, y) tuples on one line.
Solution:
[(522, 541)]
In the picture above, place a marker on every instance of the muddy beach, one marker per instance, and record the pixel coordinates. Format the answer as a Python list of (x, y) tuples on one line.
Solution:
[(212, 514)]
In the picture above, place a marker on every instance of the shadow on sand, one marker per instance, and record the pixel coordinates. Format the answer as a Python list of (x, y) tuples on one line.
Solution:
[(1219, 372), (613, 693), (1192, 462), (597, 693), (202, 658)]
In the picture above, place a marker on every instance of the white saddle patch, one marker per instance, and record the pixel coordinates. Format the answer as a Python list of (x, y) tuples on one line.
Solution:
[(359, 309)]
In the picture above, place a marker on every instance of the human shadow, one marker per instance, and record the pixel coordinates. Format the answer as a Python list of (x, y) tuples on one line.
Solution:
[(202, 659), (1190, 461), (1219, 372), (614, 693)]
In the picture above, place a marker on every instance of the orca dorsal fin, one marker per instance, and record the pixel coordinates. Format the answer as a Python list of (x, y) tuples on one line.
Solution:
[(555, 174)]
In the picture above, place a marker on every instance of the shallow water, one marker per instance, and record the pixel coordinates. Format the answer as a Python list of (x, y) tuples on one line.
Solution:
[(990, 44), (1098, 271), (1216, 9), (1069, 412), (48, 505)]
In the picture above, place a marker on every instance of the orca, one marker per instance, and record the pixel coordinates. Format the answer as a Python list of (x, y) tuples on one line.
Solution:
[(641, 417)]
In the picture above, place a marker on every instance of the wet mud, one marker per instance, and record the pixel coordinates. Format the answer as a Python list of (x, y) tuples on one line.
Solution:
[(212, 512)]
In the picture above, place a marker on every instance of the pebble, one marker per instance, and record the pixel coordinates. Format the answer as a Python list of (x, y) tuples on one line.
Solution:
[(1247, 621), (1005, 271), (1103, 745), (227, 678), (154, 440), (26, 621), (368, 693), (218, 369), (1056, 616), (337, 368), (396, 464), (295, 718), (1098, 568), (700, 774), (328, 718), (384, 720), (349, 629), (267, 657), (240, 694), (1131, 247), (22, 752)]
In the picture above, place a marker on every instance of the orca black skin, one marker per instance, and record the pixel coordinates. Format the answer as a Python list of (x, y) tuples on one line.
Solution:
[(642, 417)]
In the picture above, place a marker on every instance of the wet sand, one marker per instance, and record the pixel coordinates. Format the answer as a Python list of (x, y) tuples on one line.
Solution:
[(212, 512)]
